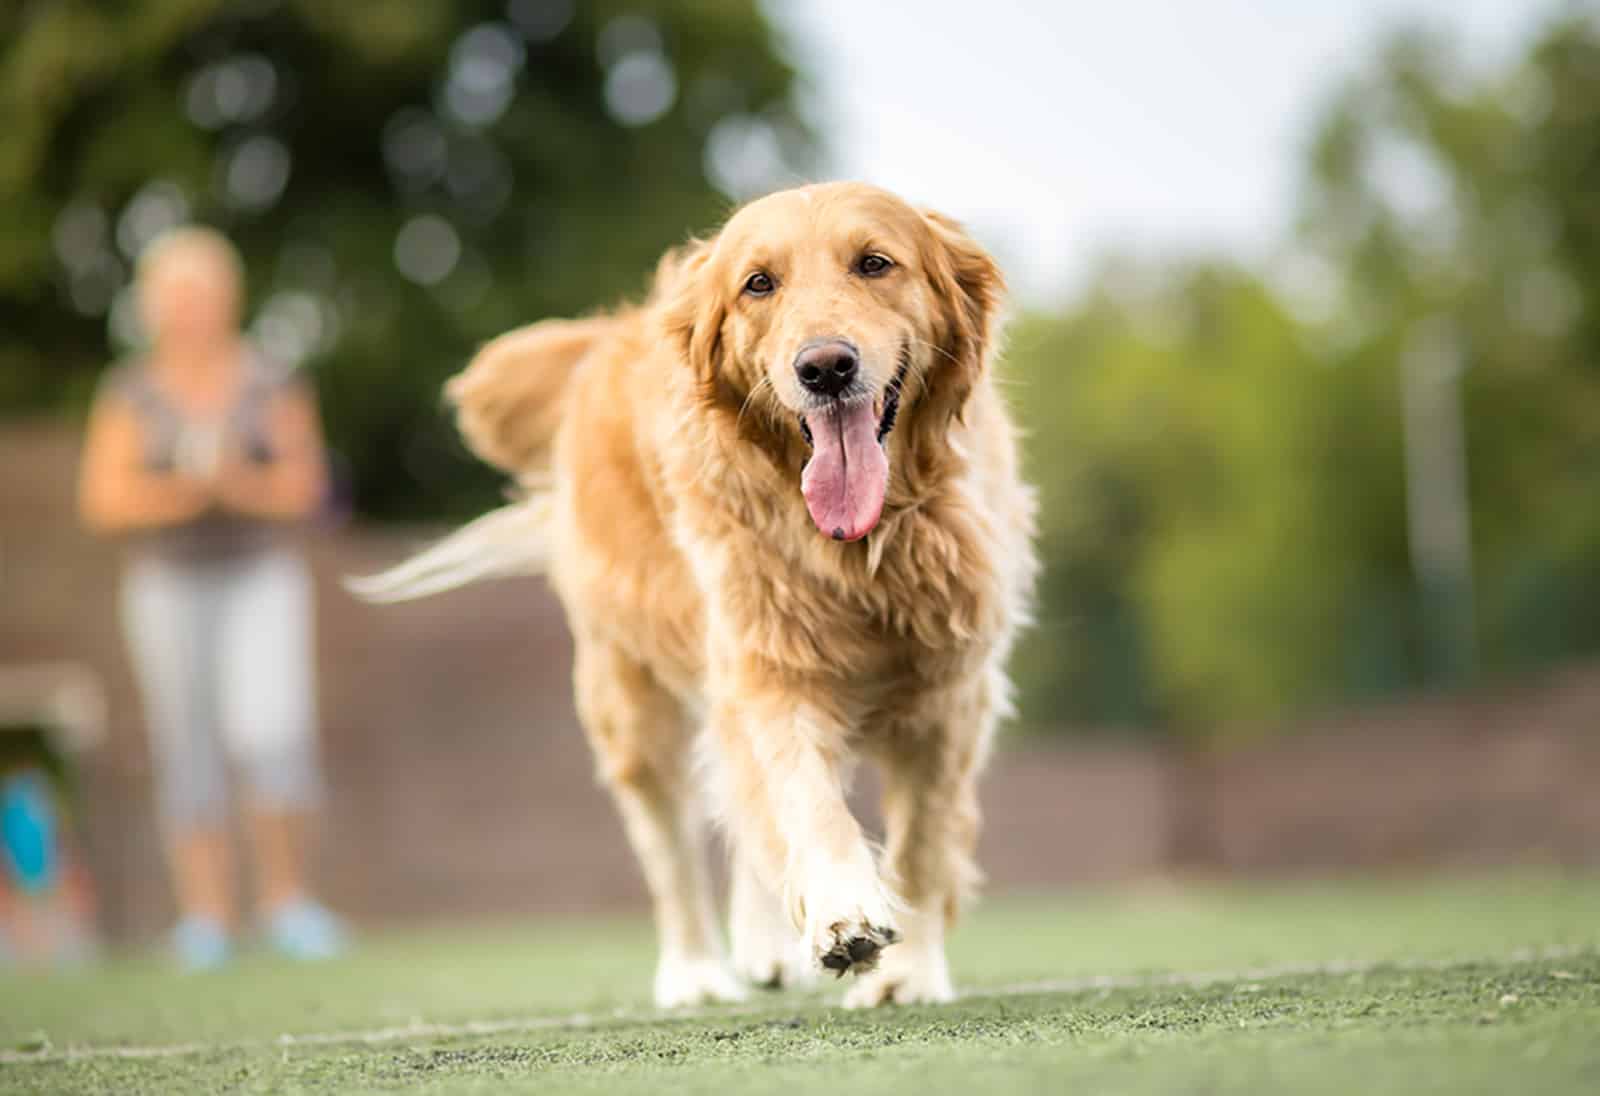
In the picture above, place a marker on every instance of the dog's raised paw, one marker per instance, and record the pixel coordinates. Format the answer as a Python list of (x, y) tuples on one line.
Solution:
[(849, 917), (855, 946)]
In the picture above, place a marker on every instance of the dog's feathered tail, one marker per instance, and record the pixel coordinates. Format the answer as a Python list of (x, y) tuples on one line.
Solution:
[(513, 540), (509, 403)]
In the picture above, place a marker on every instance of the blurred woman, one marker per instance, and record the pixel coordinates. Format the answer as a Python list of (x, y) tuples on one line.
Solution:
[(201, 456)]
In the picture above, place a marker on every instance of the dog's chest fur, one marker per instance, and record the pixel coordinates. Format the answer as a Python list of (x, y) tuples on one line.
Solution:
[(921, 601)]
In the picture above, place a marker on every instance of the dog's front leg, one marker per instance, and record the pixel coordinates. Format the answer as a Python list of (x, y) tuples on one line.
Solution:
[(930, 762), (784, 795)]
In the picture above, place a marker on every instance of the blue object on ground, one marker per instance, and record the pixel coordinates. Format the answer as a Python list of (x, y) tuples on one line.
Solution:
[(201, 944), (28, 830), (305, 930)]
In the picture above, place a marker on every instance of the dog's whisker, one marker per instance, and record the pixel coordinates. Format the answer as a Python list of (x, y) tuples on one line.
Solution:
[(764, 382), (936, 348)]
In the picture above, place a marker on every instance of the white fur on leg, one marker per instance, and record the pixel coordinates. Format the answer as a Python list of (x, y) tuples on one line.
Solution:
[(912, 973), (665, 833), (767, 949), (849, 916), (695, 980)]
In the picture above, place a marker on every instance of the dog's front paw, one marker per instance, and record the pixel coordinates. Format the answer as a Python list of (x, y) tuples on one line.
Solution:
[(906, 976), (683, 980), (770, 954), (769, 965), (848, 934), (768, 950), (853, 945)]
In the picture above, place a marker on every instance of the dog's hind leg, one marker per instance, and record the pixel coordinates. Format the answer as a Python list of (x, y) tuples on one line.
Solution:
[(642, 742)]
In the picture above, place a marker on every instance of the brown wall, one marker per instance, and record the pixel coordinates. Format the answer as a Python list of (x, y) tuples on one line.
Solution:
[(1501, 774), (461, 784)]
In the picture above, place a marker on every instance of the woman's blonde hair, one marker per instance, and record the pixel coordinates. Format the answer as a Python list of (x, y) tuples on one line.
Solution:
[(189, 242)]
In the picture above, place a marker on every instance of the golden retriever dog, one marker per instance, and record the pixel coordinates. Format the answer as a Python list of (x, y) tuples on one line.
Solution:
[(780, 501)]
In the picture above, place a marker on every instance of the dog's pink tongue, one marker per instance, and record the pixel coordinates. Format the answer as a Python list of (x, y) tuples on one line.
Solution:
[(848, 473)]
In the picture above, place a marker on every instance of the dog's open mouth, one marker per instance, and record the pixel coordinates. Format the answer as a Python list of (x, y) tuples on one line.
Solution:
[(847, 476)]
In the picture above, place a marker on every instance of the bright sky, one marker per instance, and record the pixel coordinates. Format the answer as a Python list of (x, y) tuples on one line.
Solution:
[(1056, 128)]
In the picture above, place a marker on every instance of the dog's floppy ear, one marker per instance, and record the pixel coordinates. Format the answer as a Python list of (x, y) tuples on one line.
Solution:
[(970, 289), (692, 308)]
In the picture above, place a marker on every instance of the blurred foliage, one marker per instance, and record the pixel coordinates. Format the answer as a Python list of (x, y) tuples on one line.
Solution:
[(406, 178), (1221, 451)]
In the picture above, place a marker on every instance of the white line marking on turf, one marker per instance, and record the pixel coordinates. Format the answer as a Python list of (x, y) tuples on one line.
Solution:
[(423, 1030)]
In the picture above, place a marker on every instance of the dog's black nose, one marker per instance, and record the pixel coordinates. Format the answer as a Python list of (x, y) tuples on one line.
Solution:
[(827, 368)]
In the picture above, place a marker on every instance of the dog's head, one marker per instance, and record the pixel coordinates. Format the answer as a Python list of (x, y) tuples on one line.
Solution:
[(835, 313)]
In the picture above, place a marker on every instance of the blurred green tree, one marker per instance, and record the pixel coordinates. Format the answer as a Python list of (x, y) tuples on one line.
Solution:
[(1222, 452), (1467, 206), (405, 178), (1205, 479)]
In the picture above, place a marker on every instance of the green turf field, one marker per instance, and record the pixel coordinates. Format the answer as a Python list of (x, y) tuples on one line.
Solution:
[(1453, 987)]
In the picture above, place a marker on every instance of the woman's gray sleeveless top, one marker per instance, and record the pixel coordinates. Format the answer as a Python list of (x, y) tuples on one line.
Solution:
[(216, 535)]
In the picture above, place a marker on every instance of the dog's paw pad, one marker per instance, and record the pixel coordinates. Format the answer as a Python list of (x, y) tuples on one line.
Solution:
[(856, 947)]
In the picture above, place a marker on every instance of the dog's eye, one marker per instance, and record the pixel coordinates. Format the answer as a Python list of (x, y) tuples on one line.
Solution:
[(873, 265), (759, 284)]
